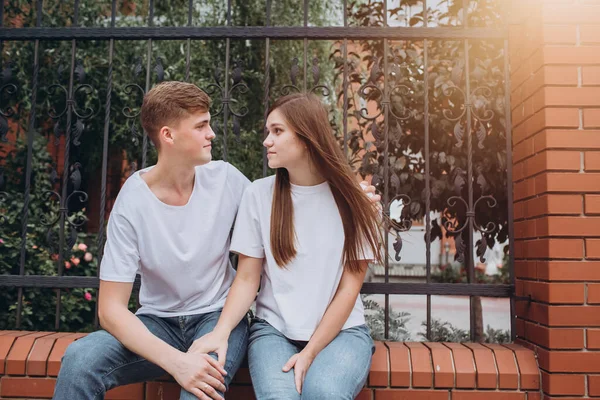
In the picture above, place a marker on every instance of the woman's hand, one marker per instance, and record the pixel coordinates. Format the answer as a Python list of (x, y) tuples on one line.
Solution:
[(300, 362)]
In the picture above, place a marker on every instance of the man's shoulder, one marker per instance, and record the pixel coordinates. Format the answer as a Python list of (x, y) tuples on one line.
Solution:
[(262, 186), (130, 195), (266, 182), (217, 169)]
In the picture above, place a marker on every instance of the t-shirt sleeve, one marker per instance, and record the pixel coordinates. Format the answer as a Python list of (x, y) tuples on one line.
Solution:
[(367, 252), (121, 259), (237, 183), (247, 237)]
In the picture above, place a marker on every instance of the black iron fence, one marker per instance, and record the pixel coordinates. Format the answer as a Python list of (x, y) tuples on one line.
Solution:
[(420, 99)]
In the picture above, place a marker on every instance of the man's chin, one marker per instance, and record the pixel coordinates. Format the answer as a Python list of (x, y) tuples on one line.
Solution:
[(203, 161)]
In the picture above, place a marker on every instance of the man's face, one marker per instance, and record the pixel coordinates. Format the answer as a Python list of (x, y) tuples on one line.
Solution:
[(191, 139)]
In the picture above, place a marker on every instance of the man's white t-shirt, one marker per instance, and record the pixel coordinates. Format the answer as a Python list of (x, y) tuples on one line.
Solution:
[(181, 252), (294, 299)]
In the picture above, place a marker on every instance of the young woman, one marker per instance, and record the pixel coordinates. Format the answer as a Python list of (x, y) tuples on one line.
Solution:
[(310, 231)]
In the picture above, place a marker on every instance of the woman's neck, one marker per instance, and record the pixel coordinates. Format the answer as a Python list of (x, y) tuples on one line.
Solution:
[(305, 175)]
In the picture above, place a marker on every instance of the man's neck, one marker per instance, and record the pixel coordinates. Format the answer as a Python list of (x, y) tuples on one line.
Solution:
[(172, 183)]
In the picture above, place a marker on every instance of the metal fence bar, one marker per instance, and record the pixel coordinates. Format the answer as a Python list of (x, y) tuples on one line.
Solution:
[(250, 32), (267, 86), (28, 168), (148, 84), (438, 289), (386, 190), (107, 105), (225, 95), (427, 172), (66, 165), (509, 175), (188, 43), (345, 80), (469, 249), (305, 40)]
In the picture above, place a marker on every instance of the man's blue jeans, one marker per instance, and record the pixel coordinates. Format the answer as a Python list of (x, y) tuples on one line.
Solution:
[(338, 372), (99, 362)]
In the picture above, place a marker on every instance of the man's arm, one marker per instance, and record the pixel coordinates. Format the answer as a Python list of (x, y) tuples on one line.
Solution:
[(240, 298), (192, 372), (116, 318)]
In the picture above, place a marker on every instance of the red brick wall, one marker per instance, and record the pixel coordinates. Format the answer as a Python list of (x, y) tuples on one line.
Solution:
[(555, 77)]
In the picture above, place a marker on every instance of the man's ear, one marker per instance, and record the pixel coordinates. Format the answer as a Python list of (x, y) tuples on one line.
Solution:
[(166, 135)]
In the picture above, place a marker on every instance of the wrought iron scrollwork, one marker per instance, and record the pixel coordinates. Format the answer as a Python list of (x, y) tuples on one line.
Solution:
[(373, 90), (228, 96), (129, 112), (3, 196), (479, 98), (73, 220), (480, 113), (82, 114), (315, 71), (8, 89)]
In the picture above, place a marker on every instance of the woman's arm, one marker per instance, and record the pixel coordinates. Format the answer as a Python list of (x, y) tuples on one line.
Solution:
[(240, 298), (331, 324)]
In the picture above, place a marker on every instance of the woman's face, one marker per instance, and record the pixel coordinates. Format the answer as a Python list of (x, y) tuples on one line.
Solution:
[(285, 149)]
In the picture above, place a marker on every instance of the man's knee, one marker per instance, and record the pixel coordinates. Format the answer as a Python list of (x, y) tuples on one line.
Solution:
[(73, 359), (84, 355)]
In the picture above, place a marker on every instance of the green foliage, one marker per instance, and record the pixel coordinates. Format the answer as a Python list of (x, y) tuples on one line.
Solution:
[(446, 332), (454, 273), (441, 331), (39, 305), (375, 318)]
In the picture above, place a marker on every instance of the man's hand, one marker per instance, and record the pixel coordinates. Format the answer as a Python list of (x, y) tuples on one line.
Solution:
[(199, 374), (370, 191), (212, 342), (300, 362)]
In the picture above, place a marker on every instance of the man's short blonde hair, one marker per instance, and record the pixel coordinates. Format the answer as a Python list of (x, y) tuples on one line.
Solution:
[(169, 102)]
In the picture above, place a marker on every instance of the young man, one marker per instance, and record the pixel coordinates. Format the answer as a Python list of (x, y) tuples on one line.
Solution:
[(171, 224)]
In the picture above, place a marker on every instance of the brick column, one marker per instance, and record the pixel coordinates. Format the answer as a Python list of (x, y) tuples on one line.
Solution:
[(555, 102)]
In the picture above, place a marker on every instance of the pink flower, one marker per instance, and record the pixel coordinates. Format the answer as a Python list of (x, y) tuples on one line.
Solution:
[(54, 257), (88, 257), (1, 241), (82, 247), (67, 265), (34, 247), (75, 261), (87, 296)]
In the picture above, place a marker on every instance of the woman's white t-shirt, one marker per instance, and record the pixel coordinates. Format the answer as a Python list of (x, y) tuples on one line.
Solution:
[(181, 252), (294, 299)]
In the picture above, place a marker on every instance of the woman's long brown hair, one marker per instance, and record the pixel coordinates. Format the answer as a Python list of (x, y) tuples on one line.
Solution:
[(308, 118)]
